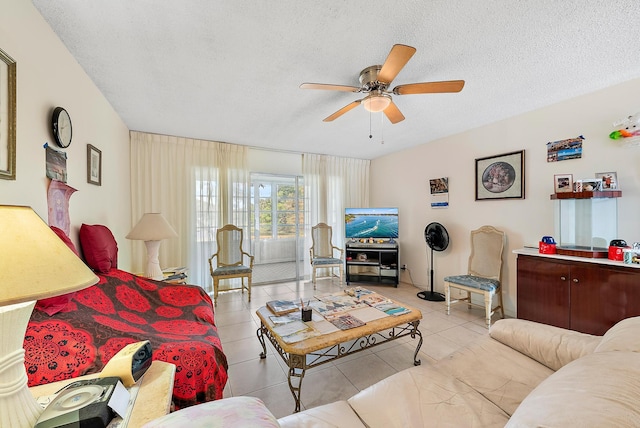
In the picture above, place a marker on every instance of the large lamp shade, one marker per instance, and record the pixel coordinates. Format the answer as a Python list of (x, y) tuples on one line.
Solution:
[(152, 229), (34, 264)]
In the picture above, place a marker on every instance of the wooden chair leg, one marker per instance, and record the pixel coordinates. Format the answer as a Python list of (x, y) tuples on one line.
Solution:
[(468, 299), (249, 287), (447, 293), (487, 308), (215, 291), (501, 304)]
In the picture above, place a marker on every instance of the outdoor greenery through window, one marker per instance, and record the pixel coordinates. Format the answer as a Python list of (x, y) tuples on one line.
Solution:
[(276, 210)]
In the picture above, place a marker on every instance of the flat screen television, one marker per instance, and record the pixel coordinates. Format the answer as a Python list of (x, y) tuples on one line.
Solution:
[(365, 223)]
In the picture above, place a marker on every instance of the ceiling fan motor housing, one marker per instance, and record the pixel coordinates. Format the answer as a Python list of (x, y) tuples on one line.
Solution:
[(369, 79)]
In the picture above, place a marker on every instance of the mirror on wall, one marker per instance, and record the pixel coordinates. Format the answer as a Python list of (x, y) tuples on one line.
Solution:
[(7, 117)]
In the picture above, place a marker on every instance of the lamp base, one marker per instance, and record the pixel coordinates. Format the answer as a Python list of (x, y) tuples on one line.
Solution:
[(18, 408), (153, 264)]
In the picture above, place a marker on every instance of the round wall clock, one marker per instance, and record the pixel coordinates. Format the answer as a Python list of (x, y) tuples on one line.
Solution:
[(61, 126)]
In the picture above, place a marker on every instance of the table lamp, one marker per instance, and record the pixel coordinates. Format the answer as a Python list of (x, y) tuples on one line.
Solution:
[(152, 229), (34, 264)]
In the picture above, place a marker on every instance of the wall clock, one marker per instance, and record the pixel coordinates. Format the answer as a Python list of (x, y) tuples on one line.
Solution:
[(61, 126)]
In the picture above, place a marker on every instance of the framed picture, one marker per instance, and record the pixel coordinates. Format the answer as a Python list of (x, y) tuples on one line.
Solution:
[(94, 165), (563, 183), (500, 177), (7, 117), (609, 180)]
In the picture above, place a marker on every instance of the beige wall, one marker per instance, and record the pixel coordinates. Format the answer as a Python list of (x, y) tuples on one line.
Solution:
[(401, 179), (48, 76)]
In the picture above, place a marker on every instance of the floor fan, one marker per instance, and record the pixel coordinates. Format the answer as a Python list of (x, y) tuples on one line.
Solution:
[(437, 239)]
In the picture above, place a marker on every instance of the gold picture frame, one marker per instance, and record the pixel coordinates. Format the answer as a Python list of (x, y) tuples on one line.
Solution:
[(8, 71)]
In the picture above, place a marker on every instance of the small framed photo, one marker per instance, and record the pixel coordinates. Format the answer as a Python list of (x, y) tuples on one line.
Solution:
[(609, 180), (563, 183), (94, 165), (591, 184)]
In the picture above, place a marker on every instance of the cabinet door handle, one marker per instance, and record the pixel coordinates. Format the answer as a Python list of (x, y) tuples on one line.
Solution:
[(564, 278), (575, 280)]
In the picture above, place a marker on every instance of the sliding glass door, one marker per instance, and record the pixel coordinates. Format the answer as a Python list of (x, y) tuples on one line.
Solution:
[(277, 227)]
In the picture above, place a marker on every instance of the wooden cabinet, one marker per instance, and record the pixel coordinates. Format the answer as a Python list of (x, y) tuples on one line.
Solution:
[(583, 296), (372, 263)]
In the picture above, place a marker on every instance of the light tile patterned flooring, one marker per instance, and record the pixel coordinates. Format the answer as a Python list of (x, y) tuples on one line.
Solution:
[(267, 378)]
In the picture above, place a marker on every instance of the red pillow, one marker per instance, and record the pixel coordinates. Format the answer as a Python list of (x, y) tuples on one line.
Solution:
[(99, 247), (53, 305), (65, 239)]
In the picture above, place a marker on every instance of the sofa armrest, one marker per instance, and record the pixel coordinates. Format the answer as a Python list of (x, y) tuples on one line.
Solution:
[(552, 346)]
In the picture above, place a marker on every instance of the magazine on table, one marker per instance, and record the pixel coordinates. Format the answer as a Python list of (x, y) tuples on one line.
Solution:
[(282, 307), (345, 321), (333, 304), (392, 308)]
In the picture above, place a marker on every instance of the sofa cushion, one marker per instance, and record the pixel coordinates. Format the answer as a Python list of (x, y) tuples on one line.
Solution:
[(552, 346), (425, 396), (334, 415), (597, 390), (624, 336), (499, 373), (233, 412)]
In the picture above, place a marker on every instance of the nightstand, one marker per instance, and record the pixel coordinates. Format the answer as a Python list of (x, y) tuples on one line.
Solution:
[(154, 394)]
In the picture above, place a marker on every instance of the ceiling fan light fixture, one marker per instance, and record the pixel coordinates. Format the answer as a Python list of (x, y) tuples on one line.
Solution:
[(376, 102)]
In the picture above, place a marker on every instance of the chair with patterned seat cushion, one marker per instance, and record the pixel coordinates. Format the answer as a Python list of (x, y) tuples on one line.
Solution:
[(484, 272), (231, 260), (322, 252)]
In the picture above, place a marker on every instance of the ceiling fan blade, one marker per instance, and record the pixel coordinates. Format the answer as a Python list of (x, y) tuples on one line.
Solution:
[(429, 87), (330, 87), (393, 113), (343, 110), (396, 60)]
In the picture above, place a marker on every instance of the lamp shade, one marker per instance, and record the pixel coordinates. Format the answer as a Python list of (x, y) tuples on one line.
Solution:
[(34, 262), (152, 227)]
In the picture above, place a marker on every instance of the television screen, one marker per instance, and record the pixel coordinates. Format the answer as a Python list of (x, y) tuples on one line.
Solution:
[(374, 223)]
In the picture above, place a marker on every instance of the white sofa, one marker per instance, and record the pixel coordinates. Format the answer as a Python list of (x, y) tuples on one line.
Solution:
[(523, 374)]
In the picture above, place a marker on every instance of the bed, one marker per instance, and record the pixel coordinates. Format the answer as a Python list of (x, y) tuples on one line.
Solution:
[(77, 334)]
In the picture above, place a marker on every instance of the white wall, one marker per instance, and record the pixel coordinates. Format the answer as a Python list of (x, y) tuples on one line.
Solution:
[(402, 179), (48, 76)]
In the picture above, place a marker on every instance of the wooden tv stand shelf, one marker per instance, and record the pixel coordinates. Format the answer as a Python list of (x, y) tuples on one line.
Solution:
[(372, 262), (586, 295)]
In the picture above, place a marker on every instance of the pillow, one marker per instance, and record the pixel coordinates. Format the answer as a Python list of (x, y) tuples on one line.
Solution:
[(233, 412), (53, 305), (99, 247), (65, 239)]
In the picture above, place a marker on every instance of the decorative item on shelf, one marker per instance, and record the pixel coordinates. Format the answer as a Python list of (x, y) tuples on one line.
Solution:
[(616, 247), (34, 264), (547, 245), (632, 255), (152, 229), (563, 183), (609, 180)]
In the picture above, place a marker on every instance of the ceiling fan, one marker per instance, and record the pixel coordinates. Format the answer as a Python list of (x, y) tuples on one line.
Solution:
[(375, 81)]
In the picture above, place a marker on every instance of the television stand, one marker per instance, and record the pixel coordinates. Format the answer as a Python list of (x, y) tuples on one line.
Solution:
[(372, 262)]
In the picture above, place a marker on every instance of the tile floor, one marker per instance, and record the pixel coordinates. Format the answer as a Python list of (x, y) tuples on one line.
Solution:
[(267, 378)]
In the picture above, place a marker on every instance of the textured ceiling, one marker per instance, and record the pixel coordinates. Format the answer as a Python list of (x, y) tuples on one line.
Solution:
[(230, 70)]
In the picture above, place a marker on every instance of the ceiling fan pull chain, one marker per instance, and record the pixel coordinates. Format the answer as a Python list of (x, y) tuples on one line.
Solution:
[(381, 129), (370, 131)]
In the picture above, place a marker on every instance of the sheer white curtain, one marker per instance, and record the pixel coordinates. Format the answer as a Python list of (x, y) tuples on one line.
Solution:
[(198, 186), (331, 185)]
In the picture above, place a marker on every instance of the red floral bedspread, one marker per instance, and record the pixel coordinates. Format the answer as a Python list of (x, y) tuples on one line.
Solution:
[(121, 309)]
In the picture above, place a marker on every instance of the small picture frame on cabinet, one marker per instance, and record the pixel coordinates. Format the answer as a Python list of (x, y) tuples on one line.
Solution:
[(563, 183), (609, 180)]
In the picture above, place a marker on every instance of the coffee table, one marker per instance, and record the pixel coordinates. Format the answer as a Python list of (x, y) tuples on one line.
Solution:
[(315, 351)]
